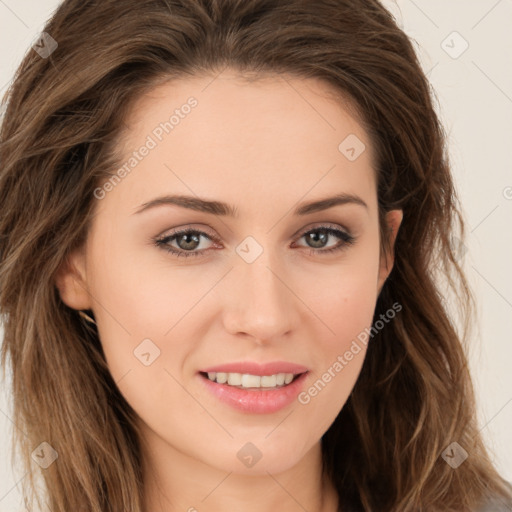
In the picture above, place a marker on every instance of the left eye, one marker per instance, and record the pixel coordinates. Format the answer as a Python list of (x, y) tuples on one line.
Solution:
[(321, 234), (188, 240)]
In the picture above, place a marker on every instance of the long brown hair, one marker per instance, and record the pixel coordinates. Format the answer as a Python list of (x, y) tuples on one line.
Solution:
[(58, 141)]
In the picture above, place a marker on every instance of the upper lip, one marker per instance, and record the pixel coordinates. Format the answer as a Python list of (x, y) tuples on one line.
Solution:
[(255, 368)]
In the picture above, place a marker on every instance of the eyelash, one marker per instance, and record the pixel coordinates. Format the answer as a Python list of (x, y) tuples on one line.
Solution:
[(163, 243)]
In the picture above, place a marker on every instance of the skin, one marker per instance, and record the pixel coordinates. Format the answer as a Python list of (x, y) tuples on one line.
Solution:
[(263, 147)]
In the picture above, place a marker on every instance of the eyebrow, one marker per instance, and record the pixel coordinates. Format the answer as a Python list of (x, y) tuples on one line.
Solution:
[(223, 209)]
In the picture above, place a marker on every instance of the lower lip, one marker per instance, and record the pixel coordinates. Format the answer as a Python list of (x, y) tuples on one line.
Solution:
[(260, 401)]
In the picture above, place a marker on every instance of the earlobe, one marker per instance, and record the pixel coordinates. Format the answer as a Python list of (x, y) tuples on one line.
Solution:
[(71, 281), (393, 221)]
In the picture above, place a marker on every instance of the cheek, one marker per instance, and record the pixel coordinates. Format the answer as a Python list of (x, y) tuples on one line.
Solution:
[(140, 323), (345, 297), (346, 307), (339, 355)]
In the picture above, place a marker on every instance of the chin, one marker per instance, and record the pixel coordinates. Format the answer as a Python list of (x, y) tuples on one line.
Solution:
[(258, 457)]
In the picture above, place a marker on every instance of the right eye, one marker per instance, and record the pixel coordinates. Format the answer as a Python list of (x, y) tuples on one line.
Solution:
[(189, 239)]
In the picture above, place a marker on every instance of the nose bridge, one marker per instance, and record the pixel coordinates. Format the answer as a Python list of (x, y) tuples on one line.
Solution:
[(259, 302)]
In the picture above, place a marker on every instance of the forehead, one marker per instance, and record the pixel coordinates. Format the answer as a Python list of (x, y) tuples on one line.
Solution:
[(264, 104), (241, 137)]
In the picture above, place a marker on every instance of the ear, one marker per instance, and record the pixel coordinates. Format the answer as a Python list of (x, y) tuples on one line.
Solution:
[(71, 281), (393, 221)]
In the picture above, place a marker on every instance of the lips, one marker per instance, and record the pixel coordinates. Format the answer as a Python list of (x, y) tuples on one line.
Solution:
[(255, 401), (272, 396)]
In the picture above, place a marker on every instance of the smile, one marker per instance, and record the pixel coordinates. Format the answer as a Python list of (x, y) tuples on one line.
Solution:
[(249, 393)]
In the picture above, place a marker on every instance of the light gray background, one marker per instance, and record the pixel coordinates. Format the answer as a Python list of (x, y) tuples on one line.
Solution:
[(475, 104)]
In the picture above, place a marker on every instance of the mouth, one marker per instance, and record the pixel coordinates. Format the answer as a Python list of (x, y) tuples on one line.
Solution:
[(254, 394), (249, 381)]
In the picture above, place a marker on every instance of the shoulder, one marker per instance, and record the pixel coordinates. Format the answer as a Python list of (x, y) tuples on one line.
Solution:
[(497, 504)]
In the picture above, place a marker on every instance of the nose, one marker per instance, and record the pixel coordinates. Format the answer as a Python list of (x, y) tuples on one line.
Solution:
[(259, 302)]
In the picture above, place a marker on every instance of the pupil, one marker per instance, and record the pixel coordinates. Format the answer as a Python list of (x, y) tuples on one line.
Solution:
[(316, 235), (195, 240)]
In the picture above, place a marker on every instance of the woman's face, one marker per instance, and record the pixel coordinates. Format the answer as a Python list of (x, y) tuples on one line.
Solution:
[(264, 283)]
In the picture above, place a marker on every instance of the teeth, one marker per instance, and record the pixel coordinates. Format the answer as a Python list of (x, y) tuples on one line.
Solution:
[(268, 381), (251, 381), (220, 377), (245, 380), (235, 379)]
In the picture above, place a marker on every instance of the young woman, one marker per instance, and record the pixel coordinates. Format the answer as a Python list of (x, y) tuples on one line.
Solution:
[(224, 225)]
